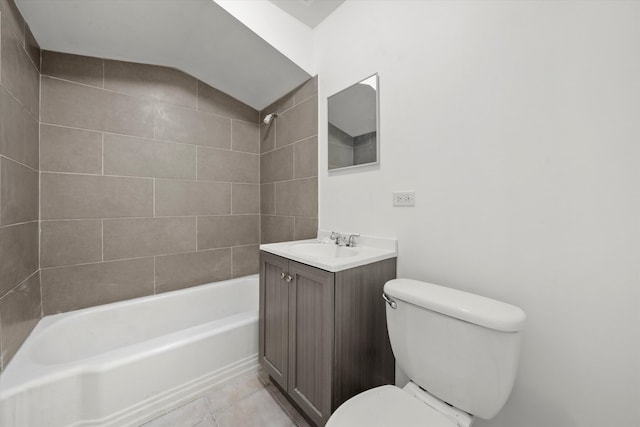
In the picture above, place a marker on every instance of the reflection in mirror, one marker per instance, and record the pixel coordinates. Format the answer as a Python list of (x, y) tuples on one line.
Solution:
[(353, 125)]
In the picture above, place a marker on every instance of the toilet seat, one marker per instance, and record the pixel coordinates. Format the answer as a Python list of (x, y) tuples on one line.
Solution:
[(387, 406)]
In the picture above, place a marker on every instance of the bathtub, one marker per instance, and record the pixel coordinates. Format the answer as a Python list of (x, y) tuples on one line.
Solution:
[(125, 363)]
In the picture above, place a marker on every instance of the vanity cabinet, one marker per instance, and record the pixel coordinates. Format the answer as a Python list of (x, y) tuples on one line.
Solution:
[(323, 335)]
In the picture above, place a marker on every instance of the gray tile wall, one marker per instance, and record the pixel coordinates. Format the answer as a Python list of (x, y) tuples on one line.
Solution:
[(150, 182), (119, 180), (20, 300), (289, 167)]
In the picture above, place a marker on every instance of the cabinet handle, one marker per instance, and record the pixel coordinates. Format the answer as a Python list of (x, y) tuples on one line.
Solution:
[(282, 275), (289, 278)]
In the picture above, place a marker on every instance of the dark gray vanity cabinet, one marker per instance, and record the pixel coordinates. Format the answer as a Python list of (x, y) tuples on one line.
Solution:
[(323, 335)]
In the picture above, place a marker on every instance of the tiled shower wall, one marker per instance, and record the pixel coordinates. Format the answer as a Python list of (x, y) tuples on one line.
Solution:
[(345, 150), (19, 90), (150, 182), (289, 167)]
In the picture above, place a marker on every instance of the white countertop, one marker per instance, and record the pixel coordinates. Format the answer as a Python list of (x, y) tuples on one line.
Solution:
[(367, 250)]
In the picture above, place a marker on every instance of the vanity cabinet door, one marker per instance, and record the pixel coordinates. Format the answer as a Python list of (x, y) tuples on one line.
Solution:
[(274, 317), (311, 332), (323, 336)]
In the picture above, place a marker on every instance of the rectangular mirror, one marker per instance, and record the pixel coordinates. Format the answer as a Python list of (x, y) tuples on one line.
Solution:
[(353, 125)]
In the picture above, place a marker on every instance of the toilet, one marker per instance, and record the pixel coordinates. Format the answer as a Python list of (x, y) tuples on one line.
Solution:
[(459, 350)]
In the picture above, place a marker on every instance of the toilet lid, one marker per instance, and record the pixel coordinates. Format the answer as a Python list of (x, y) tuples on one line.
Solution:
[(387, 406)]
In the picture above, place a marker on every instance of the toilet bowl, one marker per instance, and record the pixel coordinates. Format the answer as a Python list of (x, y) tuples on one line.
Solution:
[(460, 351), (389, 405)]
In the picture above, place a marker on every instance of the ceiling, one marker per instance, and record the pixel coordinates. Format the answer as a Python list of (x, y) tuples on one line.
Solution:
[(309, 12), (355, 109), (196, 36)]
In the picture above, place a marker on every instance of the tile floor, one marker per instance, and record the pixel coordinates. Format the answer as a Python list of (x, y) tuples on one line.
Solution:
[(247, 401)]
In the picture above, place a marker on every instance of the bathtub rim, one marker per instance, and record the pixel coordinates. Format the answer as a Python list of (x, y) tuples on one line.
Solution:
[(38, 372), (54, 318)]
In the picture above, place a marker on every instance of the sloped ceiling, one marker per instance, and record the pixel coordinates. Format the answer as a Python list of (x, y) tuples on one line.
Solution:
[(195, 36), (310, 12), (354, 110)]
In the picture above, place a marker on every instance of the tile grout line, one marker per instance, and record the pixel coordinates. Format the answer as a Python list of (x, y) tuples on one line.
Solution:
[(20, 283), (293, 159), (102, 158), (37, 221), (23, 164), (302, 100), (275, 136), (125, 218), (40, 185), (296, 104), (259, 183), (289, 144), (152, 138), (275, 145), (224, 248), (275, 208), (141, 97), (148, 177), (19, 101)]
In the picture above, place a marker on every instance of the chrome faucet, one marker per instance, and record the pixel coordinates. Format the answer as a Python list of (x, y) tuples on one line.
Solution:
[(343, 239)]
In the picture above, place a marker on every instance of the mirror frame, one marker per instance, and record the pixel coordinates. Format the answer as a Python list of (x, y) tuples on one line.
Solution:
[(377, 108)]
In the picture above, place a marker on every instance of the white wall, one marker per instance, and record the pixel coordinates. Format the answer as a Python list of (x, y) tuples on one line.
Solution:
[(290, 36), (518, 125)]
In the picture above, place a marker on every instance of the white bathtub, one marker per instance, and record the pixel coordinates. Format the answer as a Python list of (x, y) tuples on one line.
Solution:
[(124, 363)]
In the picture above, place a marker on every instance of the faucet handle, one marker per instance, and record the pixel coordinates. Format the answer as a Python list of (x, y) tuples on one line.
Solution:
[(352, 240), (335, 236)]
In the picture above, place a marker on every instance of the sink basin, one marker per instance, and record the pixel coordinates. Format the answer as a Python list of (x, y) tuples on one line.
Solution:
[(326, 255), (322, 250)]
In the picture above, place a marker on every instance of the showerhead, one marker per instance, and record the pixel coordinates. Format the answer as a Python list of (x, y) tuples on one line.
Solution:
[(269, 118)]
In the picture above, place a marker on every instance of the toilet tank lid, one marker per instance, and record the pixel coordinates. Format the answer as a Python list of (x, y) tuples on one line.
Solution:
[(462, 305)]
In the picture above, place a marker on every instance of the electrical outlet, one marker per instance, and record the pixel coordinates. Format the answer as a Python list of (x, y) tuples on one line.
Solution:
[(404, 198)]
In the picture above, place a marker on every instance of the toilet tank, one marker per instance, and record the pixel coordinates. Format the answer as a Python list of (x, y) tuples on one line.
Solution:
[(460, 347)]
